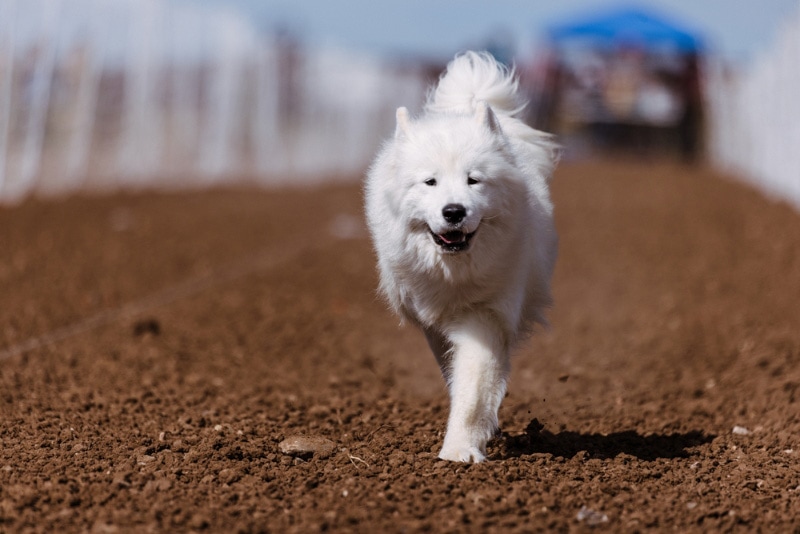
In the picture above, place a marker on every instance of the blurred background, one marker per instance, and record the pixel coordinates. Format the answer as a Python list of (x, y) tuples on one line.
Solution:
[(132, 94)]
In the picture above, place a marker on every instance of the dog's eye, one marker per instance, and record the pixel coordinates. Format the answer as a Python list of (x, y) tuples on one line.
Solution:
[(472, 181), (430, 181)]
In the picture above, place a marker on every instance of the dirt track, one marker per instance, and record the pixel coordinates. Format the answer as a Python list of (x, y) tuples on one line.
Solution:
[(203, 329)]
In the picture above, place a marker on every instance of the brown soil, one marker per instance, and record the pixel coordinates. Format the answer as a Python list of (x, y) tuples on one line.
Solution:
[(156, 349)]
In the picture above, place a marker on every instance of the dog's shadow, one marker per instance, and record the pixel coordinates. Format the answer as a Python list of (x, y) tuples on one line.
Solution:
[(568, 444)]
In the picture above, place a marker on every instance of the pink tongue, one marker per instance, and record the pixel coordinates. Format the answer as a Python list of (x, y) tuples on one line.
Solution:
[(452, 237)]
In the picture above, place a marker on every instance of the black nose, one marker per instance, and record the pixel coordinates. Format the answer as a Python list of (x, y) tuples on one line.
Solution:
[(454, 213)]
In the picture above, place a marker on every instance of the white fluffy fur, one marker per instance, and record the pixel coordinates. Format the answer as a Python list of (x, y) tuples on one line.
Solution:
[(472, 305)]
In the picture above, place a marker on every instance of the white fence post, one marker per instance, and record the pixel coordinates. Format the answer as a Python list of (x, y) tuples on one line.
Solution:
[(7, 58), (141, 139), (86, 101), (41, 83), (223, 87), (266, 128)]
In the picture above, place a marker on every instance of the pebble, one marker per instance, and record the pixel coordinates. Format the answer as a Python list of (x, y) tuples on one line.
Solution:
[(591, 517), (303, 445), (229, 476), (740, 431)]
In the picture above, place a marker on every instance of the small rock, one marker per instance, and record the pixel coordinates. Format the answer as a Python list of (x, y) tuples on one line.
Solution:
[(305, 446), (753, 485), (591, 517), (740, 431)]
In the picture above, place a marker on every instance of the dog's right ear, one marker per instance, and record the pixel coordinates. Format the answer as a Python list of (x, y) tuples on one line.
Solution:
[(486, 117), (401, 130)]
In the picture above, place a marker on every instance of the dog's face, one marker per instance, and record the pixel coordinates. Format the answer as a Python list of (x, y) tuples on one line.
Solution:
[(452, 168)]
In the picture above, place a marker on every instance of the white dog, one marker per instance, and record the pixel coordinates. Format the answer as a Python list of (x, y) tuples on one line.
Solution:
[(460, 214)]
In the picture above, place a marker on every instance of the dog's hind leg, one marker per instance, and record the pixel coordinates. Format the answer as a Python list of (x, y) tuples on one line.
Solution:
[(477, 375), (440, 346)]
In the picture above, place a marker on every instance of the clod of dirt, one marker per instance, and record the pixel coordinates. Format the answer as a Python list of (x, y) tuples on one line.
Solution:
[(146, 326), (304, 446)]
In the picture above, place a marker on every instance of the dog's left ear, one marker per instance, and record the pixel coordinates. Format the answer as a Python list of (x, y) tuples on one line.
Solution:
[(401, 130), (485, 116)]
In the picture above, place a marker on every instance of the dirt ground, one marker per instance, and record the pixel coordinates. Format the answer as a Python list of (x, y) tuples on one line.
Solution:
[(155, 350)]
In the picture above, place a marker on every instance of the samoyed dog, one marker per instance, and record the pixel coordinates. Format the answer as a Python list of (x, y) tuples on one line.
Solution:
[(459, 211)]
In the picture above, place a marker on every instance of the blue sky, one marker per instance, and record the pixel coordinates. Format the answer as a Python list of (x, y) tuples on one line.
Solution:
[(737, 29)]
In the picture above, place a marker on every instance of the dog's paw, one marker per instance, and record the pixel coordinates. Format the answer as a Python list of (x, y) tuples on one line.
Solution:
[(462, 454)]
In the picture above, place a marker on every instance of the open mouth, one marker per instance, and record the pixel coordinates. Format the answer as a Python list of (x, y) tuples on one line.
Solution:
[(455, 241)]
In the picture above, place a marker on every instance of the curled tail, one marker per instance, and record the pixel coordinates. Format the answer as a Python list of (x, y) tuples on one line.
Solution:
[(473, 77)]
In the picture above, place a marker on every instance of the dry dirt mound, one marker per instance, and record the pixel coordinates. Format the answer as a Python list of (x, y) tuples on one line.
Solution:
[(158, 350)]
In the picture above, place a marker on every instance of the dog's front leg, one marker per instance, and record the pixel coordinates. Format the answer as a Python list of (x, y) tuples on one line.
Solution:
[(477, 375)]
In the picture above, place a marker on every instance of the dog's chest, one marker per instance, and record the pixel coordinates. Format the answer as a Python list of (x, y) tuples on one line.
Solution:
[(430, 301)]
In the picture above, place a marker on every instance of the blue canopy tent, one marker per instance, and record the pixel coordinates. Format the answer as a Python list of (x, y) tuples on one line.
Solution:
[(629, 27), (640, 90)]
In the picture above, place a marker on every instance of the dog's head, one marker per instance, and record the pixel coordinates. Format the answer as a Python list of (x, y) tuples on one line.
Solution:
[(454, 169)]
